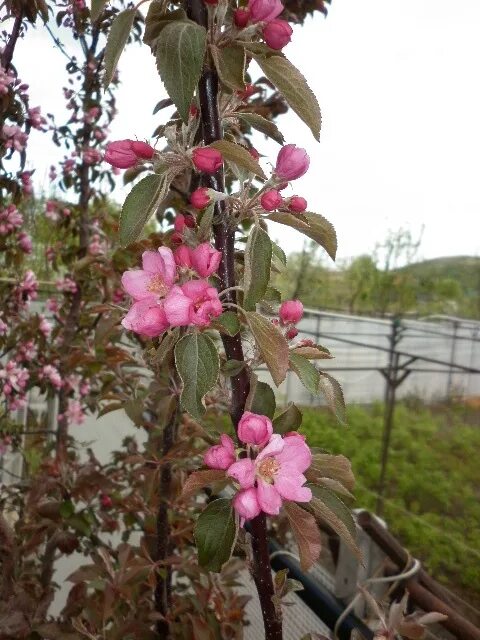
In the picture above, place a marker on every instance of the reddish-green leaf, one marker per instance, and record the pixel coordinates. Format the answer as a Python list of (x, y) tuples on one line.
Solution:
[(307, 535)]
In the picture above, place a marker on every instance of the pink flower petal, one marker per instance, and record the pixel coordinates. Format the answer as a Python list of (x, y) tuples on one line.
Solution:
[(273, 448), (290, 488), (296, 454), (243, 472), (136, 282), (268, 498), (178, 308)]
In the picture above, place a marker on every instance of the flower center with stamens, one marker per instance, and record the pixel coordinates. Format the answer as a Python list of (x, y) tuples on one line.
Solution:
[(268, 468), (157, 285)]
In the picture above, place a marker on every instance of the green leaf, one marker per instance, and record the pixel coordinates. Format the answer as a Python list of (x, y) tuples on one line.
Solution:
[(157, 19), (290, 419), (96, 9), (258, 258), (166, 346), (328, 507), (272, 345), (309, 376), (313, 353), (215, 534), (140, 204), (67, 509), (263, 400), (180, 52), (205, 225), (279, 253), (116, 41), (272, 295), (230, 65), (294, 88), (333, 393), (337, 467), (227, 323), (306, 534), (197, 362), (312, 225), (233, 367), (239, 156), (263, 125)]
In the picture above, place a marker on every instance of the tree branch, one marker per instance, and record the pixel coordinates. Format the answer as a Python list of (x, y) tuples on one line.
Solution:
[(7, 54), (224, 234)]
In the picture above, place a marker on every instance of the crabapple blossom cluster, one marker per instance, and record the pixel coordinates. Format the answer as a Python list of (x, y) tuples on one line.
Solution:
[(265, 473), (14, 379), (276, 32), (166, 294)]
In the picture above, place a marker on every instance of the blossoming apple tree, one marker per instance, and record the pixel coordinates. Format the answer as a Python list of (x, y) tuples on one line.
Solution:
[(198, 296)]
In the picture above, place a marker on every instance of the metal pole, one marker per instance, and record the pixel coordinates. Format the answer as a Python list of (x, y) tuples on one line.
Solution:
[(390, 375), (452, 359)]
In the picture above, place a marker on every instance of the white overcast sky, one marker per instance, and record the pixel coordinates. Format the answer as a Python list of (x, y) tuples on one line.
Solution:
[(398, 85)]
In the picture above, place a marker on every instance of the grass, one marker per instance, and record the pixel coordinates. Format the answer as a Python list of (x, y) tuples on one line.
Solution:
[(433, 477)]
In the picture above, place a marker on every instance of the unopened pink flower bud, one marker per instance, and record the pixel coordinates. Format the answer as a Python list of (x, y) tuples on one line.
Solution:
[(254, 153), (200, 198), (291, 311), (277, 34), (25, 242), (182, 256), (246, 93), (106, 501), (297, 204), (264, 10), (143, 150), (292, 333), (207, 159), (254, 428), (120, 154), (205, 259), (246, 504), (221, 456), (193, 111), (271, 200), (292, 162), (241, 17)]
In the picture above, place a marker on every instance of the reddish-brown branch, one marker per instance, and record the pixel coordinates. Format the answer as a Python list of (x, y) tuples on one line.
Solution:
[(224, 235), (7, 54)]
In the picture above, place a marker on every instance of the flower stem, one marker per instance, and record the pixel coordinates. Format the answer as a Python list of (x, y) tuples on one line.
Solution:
[(224, 235)]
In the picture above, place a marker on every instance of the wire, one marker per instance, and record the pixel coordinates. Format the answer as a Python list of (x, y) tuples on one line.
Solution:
[(283, 552), (404, 575)]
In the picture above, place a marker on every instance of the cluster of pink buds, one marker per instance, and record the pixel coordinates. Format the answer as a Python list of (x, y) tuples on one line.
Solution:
[(27, 351), (66, 285), (161, 303), (27, 290), (14, 379), (74, 413), (6, 79), (14, 138), (37, 121), (268, 471), (276, 32), (292, 163), (10, 219), (290, 313), (91, 156), (51, 374), (207, 159), (124, 154)]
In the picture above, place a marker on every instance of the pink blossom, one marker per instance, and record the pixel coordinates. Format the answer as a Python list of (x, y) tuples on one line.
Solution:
[(291, 311), (74, 413), (27, 351), (68, 166), (92, 115), (292, 162), (84, 388), (96, 246), (45, 326), (205, 259), (147, 318), (14, 137), (52, 305), (3, 328), (297, 204), (254, 428), (25, 242), (52, 174), (66, 285), (51, 210), (91, 156), (182, 256), (276, 474), (182, 221), (200, 198), (10, 219), (221, 456), (14, 378), (277, 34), (29, 286), (291, 333), (271, 200), (51, 373), (155, 279), (27, 184), (207, 159), (36, 119), (264, 10), (194, 303), (5, 81)]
